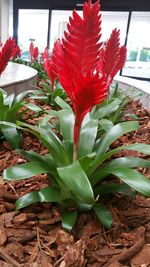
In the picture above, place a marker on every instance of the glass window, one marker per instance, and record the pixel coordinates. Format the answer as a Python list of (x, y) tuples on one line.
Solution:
[(138, 46), (59, 21), (110, 20), (33, 26)]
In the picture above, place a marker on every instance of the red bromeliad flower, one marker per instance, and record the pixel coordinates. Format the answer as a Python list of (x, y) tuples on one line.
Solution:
[(45, 55), (6, 52), (84, 68), (49, 67), (34, 52), (16, 52)]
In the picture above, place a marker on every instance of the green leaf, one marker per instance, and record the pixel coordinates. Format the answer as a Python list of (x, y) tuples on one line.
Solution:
[(113, 134), (69, 219), (48, 194), (51, 141), (142, 148), (24, 94), (12, 135), (62, 103), (25, 170), (124, 162), (106, 110), (33, 107), (66, 119), (103, 214), (34, 156), (88, 135), (106, 124), (77, 182), (9, 100), (112, 188), (86, 161), (134, 179)]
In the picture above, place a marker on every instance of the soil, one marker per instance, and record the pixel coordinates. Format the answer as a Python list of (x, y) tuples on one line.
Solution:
[(34, 237)]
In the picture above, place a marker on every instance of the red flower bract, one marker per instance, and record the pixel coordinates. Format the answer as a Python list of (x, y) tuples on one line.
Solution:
[(34, 52), (49, 67), (84, 68), (6, 53), (16, 52)]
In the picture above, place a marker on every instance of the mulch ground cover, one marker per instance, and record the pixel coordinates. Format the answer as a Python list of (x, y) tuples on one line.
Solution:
[(33, 237)]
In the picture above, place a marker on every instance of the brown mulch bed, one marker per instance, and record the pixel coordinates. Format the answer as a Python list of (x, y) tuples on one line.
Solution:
[(34, 237)]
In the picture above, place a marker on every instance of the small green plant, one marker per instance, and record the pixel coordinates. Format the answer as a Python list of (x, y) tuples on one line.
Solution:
[(9, 113), (45, 94)]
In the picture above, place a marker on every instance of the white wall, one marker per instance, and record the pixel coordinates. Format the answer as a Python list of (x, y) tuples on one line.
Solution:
[(4, 20)]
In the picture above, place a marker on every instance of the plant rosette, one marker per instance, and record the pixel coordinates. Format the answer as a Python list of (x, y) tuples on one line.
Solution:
[(79, 160)]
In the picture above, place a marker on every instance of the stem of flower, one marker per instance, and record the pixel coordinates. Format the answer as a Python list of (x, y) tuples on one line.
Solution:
[(74, 153)]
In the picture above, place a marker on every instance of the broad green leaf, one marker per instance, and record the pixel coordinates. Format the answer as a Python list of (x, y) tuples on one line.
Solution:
[(9, 100), (66, 120), (124, 162), (112, 188), (34, 156), (1, 98), (48, 194), (62, 103), (51, 141), (133, 178), (25, 170), (86, 161), (33, 107), (106, 110), (69, 219), (113, 134), (103, 214), (77, 182), (24, 94), (106, 124), (87, 138), (12, 112), (12, 136), (139, 147), (118, 113)]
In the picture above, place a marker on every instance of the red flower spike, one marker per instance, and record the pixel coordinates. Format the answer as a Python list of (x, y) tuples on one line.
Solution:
[(6, 52), (84, 69), (16, 52), (45, 55), (34, 52), (112, 56), (50, 67)]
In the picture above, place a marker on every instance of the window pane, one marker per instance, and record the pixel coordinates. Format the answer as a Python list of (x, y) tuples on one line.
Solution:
[(110, 20), (59, 21), (138, 46), (33, 26)]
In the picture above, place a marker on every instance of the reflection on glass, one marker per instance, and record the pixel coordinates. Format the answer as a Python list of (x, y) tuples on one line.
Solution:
[(33, 26), (138, 46)]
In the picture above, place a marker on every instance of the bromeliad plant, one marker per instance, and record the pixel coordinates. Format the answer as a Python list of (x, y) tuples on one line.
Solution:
[(78, 162), (6, 52)]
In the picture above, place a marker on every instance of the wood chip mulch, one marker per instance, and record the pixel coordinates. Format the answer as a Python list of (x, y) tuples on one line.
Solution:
[(34, 237)]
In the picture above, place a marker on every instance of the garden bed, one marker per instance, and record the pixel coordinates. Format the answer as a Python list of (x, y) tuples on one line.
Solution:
[(34, 236)]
